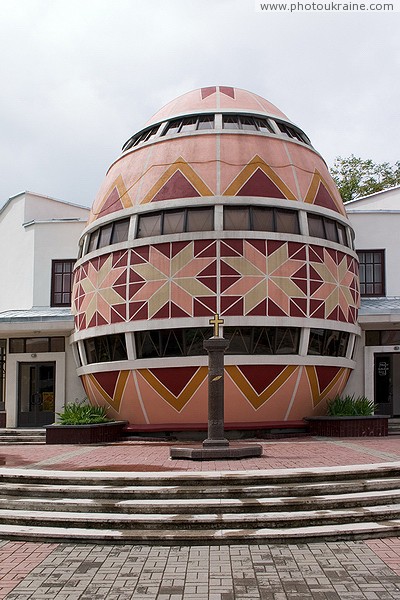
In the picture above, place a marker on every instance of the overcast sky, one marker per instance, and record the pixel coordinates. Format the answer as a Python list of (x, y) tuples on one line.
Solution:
[(79, 77)]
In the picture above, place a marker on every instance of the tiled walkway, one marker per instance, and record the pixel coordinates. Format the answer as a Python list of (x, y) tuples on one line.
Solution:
[(365, 570), (319, 571)]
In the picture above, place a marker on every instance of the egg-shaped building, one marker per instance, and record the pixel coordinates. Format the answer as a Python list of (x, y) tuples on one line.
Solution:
[(220, 204)]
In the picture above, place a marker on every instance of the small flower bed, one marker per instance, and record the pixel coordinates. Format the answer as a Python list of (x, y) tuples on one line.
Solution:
[(350, 406), (81, 413)]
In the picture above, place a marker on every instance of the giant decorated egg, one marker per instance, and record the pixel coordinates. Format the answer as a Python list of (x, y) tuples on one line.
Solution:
[(218, 205)]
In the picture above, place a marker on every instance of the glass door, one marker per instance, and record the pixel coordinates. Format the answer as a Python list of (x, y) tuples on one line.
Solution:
[(36, 395), (383, 384)]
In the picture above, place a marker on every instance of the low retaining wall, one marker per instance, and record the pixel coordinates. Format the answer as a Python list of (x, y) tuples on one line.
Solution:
[(99, 433), (375, 425)]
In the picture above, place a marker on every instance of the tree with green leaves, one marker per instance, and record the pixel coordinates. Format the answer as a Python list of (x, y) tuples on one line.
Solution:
[(356, 177)]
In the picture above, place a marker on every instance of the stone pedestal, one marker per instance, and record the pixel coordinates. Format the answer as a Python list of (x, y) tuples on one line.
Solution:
[(216, 446)]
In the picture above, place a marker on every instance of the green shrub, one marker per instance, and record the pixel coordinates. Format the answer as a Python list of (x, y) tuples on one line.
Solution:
[(81, 413), (350, 406)]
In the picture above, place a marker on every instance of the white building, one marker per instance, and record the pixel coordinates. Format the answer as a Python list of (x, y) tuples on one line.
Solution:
[(38, 247), (376, 221)]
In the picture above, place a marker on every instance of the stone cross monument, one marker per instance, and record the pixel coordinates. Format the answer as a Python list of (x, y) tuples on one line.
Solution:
[(216, 446)]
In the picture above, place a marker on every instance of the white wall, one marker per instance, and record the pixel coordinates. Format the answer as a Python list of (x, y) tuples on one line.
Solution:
[(16, 258), (381, 231), (41, 208), (53, 240)]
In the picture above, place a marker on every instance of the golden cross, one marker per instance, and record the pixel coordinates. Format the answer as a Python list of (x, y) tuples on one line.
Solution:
[(216, 321)]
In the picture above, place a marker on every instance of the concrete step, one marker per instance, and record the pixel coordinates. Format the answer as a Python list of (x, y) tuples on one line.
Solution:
[(187, 479), (271, 520), (163, 505), (22, 436), (346, 531), (180, 491), (205, 507)]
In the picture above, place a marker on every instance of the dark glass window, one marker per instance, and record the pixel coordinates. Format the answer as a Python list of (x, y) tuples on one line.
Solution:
[(105, 235), (174, 221), (326, 342), (341, 229), (37, 344), (3, 346), (237, 218), (263, 219), (331, 230), (327, 229), (382, 337), (120, 231), (316, 226), (93, 240), (257, 218), (149, 225), (106, 348), (61, 282), (372, 272), (243, 340), (200, 219), (286, 221)]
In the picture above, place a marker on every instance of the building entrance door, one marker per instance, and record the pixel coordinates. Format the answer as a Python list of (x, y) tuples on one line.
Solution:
[(36, 394), (383, 375)]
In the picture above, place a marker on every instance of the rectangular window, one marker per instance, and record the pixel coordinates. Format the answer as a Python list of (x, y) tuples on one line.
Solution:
[(263, 218), (263, 125), (174, 222), (106, 348), (61, 282), (372, 272), (149, 225), (188, 124), (120, 231), (331, 231), (230, 122), (236, 219), (206, 122), (316, 226), (200, 219), (37, 344), (326, 342), (286, 221), (93, 240), (105, 235), (382, 337)]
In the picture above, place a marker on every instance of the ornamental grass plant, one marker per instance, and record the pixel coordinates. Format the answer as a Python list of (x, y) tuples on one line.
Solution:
[(350, 406), (82, 413)]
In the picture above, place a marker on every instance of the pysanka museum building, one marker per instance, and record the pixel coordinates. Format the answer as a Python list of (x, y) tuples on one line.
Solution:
[(218, 205)]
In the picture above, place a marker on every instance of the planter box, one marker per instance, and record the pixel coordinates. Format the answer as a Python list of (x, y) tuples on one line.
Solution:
[(99, 433), (375, 425)]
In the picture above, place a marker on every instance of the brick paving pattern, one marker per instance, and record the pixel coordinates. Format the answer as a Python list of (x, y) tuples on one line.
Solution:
[(154, 456), (319, 571)]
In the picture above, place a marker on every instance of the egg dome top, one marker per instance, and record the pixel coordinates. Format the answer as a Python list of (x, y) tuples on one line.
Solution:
[(214, 98)]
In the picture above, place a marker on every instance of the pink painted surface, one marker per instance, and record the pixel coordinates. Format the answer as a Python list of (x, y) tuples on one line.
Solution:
[(223, 97)]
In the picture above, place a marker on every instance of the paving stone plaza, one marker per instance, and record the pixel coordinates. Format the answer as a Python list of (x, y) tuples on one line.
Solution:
[(362, 569)]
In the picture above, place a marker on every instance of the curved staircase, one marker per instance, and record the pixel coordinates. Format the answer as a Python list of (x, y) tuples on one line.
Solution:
[(297, 505)]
